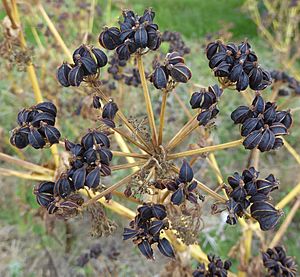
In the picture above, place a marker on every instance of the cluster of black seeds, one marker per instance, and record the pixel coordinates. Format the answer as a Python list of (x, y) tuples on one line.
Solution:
[(87, 61), (262, 124), (183, 188), (215, 268), (109, 112), (135, 33), (146, 228), (93, 253), (176, 43), (36, 127), (248, 190), (89, 160), (278, 263), (237, 64), (173, 70), (283, 78), (206, 100)]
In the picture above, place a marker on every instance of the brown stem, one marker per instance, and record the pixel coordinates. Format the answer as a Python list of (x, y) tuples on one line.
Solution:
[(162, 117), (127, 165), (133, 155)]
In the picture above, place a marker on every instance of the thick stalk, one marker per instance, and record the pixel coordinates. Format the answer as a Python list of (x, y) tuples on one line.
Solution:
[(206, 149), (248, 234), (126, 166), (133, 155), (291, 150), (162, 116), (289, 197), (25, 175), (147, 98)]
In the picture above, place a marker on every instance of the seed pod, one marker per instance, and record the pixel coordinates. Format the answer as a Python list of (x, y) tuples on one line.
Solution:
[(47, 107), (105, 155), (43, 117), (159, 211), (285, 118), (44, 187), (105, 170), (222, 69), (253, 139), (217, 59), (192, 198), (265, 186), (19, 139), (96, 102), (235, 72), (174, 58), (259, 104), (101, 139), (76, 75), (250, 125), (238, 194), (129, 233), (208, 100), (52, 134), (196, 100), (148, 16), (235, 180), (62, 187), (186, 174), (154, 40), (242, 82), (146, 249), (204, 117), (52, 208), (109, 110), (109, 38), (255, 78), (258, 197), (93, 178), (250, 188), (278, 143), (262, 209), (244, 47), (123, 52), (165, 248), (160, 77), (240, 114), (155, 227), (180, 73), (216, 90), (269, 222), (100, 57), (232, 48), (270, 113), (88, 140), (211, 49), (177, 197), (78, 178), (90, 156), (35, 139), (278, 129), (267, 140), (63, 73), (44, 199), (141, 37), (89, 65), (193, 185), (126, 34)]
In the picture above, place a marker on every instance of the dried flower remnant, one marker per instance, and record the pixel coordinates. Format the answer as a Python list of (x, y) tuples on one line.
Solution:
[(278, 263), (262, 124), (237, 64), (36, 127), (87, 62), (134, 34), (146, 228), (215, 267), (206, 100), (249, 191)]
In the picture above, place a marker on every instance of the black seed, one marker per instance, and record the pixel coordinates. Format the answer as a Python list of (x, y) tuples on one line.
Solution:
[(90, 156), (63, 73), (105, 170), (160, 77), (129, 233), (278, 143), (89, 65), (76, 76), (141, 37), (242, 82), (251, 189), (47, 107), (234, 181), (165, 248), (78, 178), (267, 140), (270, 114), (146, 249), (186, 172), (259, 104), (155, 227), (96, 102), (109, 110), (177, 197), (109, 38), (44, 199), (19, 139), (45, 117), (250, 125), (105, 155), (278, 129), (217, 59), (211, 49), (101, 139), (180, 73), (100, 57), (159, 211), (62, 187), (238, 194), (174, 58), (52, 134), (35, 139), (240, 114), (235, 72), (196, 100), (255, 78), (253, 139), (93, 178), (44, 187)]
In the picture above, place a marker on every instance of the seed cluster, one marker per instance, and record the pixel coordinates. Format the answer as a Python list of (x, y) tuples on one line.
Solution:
[(216, 267), (36, 127), (87, 62), (135, 33), (145, 230), (173, 70), (262, 124), (248, 190), (89, 161), (183, 187), (176, 43), (206, 100), (278, 263), (237, 64), (281, 77)]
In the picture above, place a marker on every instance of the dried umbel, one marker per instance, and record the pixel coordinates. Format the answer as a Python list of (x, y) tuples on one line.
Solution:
[(249, 191), (134, 34), (262, 124), (206, 101), (87, 62), (146, 229), (237, 64), (289, 85), (173, 71), (215, 267), (278, 263), (36, 127)]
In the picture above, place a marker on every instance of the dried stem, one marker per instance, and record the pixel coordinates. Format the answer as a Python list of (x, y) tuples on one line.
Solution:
[(289, 197), (276, 239), (253, 158), (133, 155), (111, 188), (206, 149), (291, 150), (147, 98), (25, 175), (9, 14), (162, 117), (127, 165), (248, 235)]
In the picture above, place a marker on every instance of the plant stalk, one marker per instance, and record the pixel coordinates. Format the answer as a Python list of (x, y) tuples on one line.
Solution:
[(162, 116)]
